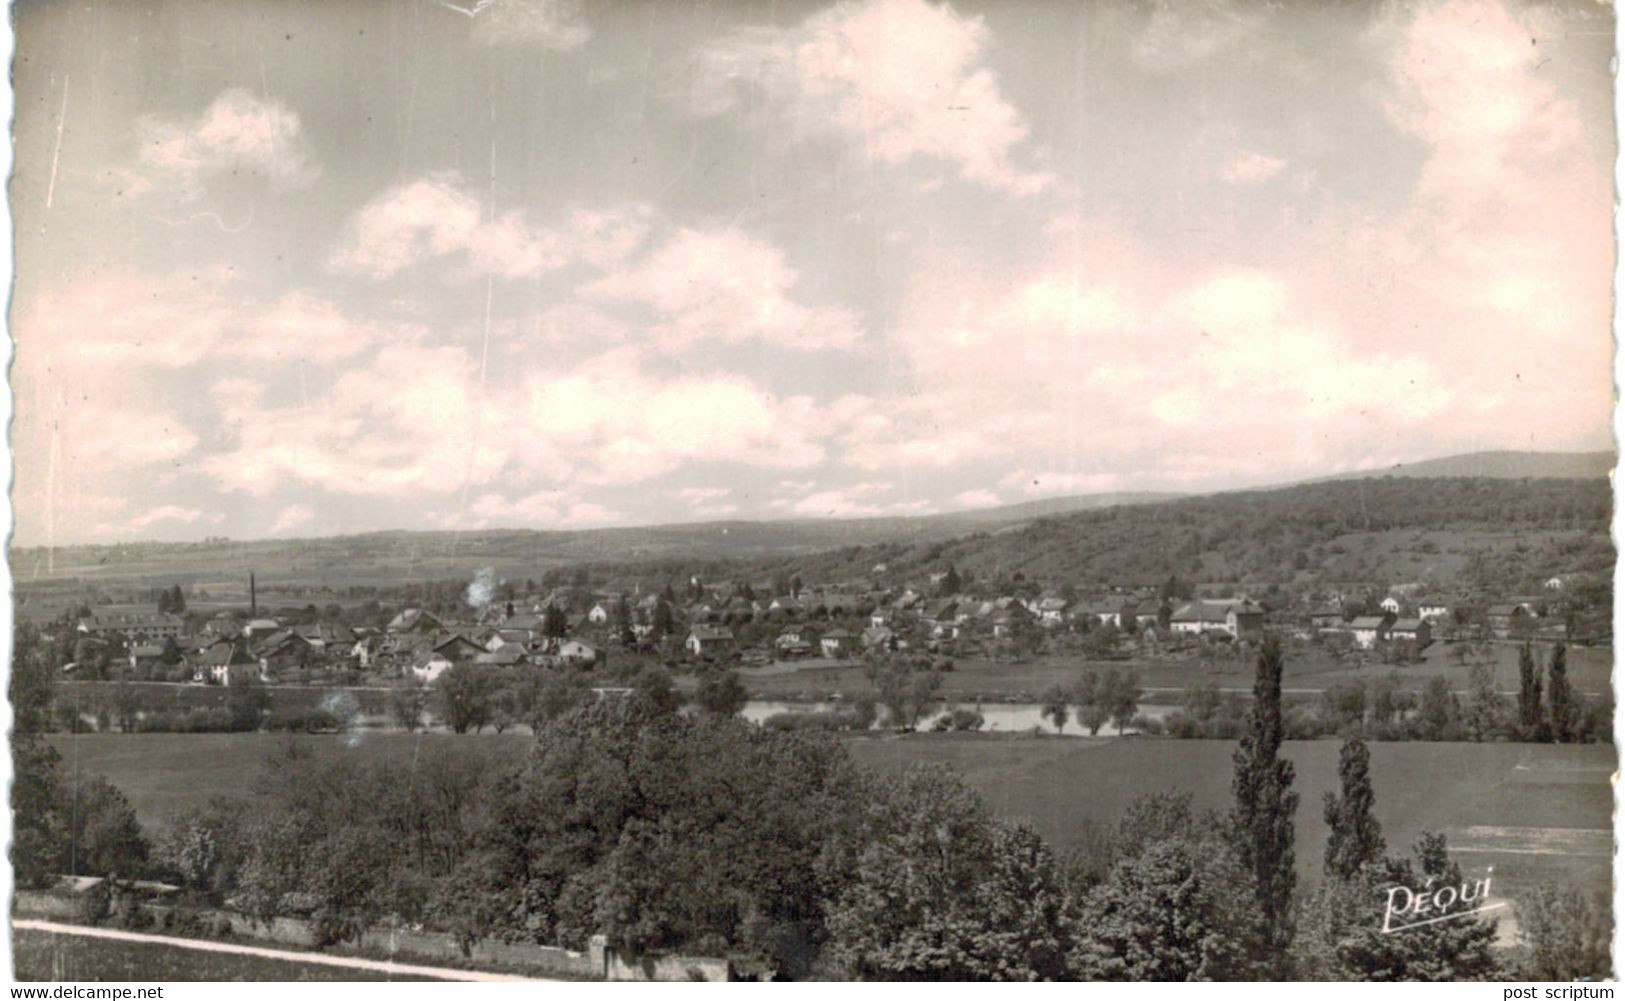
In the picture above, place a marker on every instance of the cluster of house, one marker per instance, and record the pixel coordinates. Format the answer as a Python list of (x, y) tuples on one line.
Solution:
[(1405, 617), (578, 628)]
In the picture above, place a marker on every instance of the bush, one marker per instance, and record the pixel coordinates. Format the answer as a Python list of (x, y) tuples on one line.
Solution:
[(959, 720)]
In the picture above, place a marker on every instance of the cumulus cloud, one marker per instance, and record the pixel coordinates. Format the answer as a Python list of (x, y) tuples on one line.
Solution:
[(293, 516), (977, 498), (725, 285), (542, 509), (903, 78), (176, 320), (162, 513), (418, 421), (435, 219), (859, 500), (237, 132)]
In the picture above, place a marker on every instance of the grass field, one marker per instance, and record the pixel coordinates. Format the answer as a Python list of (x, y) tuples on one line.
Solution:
[(42, 956), (1307, 670), (1536, 812)]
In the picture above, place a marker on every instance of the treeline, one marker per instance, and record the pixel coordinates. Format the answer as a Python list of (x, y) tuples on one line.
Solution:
[(702, 833), (1546, 709)]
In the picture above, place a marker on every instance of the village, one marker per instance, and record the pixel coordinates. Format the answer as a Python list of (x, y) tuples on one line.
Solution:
[(699, 623)]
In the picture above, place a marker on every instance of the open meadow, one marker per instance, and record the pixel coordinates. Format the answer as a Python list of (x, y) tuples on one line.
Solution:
[(1536, 812)]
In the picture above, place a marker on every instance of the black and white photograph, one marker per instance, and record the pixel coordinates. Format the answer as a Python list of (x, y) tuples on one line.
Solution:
[(792, 490)]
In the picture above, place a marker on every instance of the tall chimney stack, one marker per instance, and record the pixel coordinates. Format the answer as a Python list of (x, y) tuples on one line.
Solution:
[(253, 598)]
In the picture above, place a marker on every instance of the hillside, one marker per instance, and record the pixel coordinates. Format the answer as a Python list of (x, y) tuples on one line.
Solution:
[(1476, 534)]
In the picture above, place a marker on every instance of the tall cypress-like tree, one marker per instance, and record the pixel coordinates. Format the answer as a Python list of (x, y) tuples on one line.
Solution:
[(1356, 838), (1261, 823), (1560, 697), (1528, 694)]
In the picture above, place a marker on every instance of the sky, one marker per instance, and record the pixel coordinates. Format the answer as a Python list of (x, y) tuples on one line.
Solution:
[(292, 268)]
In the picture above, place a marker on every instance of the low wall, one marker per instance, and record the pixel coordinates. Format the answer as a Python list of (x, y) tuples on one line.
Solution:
[(599, 961)]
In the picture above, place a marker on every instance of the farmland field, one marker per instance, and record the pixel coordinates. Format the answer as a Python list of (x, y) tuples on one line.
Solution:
[(1535, 811), (42, 956)]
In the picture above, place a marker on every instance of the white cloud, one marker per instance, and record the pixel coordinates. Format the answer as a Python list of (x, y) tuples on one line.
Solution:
[(859, 500), (543, 509), (903, 78), (293, 516), (238, 132), (163, 513), (435, 219), (977, 498), (727, 286), (417, 420)]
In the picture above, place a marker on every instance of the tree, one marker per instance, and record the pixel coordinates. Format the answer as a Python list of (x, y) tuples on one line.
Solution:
[(1566, 934), (1120, 695), (554, 625), (1261, 822), (557, 694), (1438, 712), (466, 691), (623, 619), (1355, 839), (1088, 696), (722, 693), (1529, 709), (406, 706), (1169, 913), (248, 704), (1485, 710), (100, 835), (1562, 709), (940, 890), (662, 621), (653, 688), (1341, 941), (905, 684), (1053, 703), (951, 583), (1202, 700)]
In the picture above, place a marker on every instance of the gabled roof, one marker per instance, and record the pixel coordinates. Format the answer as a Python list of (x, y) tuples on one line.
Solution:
[(1201, 611), (226, 653), (1369, 622)]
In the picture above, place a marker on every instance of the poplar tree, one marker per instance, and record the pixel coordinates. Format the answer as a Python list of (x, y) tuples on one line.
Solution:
[(1356, 838), (1560, 697), (1528, 694), (1261, 823)]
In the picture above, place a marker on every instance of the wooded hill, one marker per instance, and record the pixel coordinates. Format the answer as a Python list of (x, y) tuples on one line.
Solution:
[(1494, 535)]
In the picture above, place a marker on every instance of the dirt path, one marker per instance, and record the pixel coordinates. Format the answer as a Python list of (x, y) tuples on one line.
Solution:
[(315, 958)]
